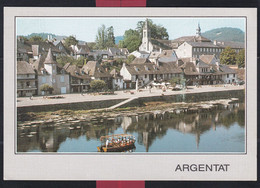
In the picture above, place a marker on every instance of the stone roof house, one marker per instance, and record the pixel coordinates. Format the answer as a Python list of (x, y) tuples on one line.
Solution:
[(52, 74), (79, 80), (26, 79)]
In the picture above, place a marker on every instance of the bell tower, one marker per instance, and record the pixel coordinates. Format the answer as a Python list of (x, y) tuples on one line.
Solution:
[(198, 31), (146, 36)]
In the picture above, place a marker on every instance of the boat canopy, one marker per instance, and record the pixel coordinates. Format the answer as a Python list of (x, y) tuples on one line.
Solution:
[(115, 136)]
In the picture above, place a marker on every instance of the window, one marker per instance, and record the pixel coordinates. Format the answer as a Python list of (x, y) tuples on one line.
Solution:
[(145, 75), (28, 75), (227, 75), (27, 84), (62, 79), (207, 49), (213, 49), (204, 49), (210, 49), (234, 75), (43, 80), (200, 49), (53, 80)]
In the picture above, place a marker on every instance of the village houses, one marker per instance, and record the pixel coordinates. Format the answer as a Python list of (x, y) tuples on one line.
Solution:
[(196, 58)]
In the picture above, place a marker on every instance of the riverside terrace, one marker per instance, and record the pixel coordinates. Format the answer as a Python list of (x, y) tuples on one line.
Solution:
[(120, 95)]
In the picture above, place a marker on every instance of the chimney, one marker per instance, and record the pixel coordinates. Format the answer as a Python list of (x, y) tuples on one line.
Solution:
[(160, 50), (215, 42)]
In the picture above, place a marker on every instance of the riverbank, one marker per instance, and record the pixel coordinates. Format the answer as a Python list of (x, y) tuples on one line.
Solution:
[(72, 116), (88, 101)]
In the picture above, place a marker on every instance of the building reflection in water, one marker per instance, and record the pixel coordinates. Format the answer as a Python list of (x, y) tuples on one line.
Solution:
[(148, 127)]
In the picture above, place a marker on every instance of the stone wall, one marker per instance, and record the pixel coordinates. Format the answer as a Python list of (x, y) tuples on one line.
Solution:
[(189, 97), (70, 106)]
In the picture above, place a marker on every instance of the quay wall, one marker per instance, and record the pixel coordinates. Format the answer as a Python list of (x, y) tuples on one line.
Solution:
[(189, 97), (88, 105)]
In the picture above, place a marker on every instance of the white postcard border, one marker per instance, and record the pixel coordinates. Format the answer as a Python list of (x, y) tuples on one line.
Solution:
[(125, 167)]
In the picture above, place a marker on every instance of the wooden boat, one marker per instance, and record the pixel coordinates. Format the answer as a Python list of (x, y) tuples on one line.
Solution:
[(116, 143)]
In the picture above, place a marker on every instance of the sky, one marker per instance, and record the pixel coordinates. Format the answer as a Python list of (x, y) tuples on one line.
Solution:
[(86, 28)]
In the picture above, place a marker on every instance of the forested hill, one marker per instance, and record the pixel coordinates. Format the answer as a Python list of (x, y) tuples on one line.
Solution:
[(225, 34)]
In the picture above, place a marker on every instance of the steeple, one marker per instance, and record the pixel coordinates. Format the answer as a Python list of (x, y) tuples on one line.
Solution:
[(49, 59), (198, 31)]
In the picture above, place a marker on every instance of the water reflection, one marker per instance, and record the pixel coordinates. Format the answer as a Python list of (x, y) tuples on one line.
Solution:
[(148, 128)]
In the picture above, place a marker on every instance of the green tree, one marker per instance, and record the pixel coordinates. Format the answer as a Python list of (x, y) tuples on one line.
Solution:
[(110, 37), (62, 60), (71, 40), (130, 58), (157, 31), (228, 56), (46, 88), (132, 40), (240, 58), (105, 37), (98, 85), (174, 81), (36, 39), (91, 45), (101, 37)]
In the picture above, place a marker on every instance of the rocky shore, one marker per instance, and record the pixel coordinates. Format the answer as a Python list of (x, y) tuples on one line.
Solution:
[(65, 117)]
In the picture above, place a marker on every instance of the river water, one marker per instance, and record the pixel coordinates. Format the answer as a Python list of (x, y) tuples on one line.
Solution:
[(221, 129)]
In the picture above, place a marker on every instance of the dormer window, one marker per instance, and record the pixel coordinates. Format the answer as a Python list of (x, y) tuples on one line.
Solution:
[(136, 69)]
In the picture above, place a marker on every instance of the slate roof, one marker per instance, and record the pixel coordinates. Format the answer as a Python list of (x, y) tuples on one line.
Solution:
[(93, 68), (150, 68), (39, 64), (207, 58), (201, 64), (192, 39), (161, 44), (140, 61), (75, 71), (226, 69), (85, 47), (44, 47), (23, 47), (168, 56), (24, 68), (49, 59), (190, 68), (115, 74), (154, 55), (217, 45), (82, 52)]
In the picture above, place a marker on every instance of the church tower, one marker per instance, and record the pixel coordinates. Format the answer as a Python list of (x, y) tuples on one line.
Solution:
[(146, 40), (198, 31)]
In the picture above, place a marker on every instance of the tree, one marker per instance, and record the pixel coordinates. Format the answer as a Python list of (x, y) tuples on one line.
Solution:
[(105, 37), (228, 56), (174, 81), (71, 40), (132, 40), (46, 88), (240, 58), (98, 85), (110, 37), (63, 60), (36, 39), (130, 58), (157, 31), (101, 37)]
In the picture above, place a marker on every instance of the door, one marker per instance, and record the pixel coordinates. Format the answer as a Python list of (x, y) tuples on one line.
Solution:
[(63, 90)]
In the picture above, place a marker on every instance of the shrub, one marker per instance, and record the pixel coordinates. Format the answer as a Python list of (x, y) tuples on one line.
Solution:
[(98, 85)]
